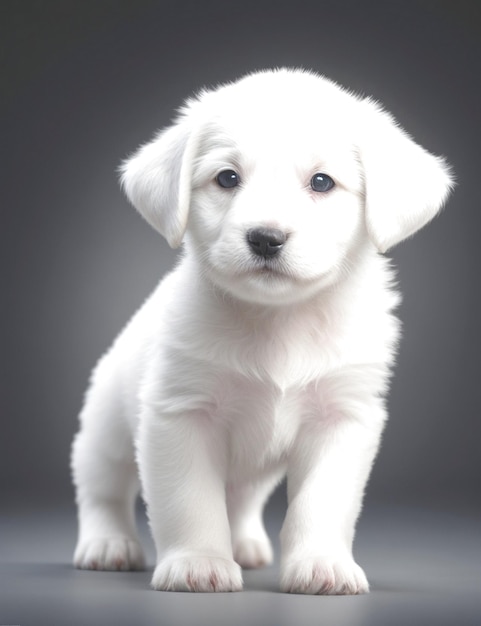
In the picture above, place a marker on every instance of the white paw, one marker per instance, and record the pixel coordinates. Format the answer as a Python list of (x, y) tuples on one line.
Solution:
[(109, 553), (253, 553), (325, 575), (197, 573)]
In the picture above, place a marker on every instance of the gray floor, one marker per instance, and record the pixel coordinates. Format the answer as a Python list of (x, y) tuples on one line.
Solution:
[(424, 567)]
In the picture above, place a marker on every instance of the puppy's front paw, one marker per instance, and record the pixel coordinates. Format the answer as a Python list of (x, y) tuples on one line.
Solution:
[(197, 573), (253, 553), (109, 553), (325, 575)]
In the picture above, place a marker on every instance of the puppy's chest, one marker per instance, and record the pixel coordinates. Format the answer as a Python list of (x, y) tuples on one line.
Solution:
[(262, 423), (278, 354)]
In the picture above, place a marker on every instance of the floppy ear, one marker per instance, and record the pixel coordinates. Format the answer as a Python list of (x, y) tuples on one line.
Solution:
[(157, 180), (405, 186)]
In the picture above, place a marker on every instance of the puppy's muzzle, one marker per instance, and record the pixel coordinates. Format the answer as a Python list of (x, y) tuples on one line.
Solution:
[(266, 242)]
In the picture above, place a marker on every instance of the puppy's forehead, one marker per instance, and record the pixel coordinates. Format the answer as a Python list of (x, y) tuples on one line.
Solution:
[(283, 111)]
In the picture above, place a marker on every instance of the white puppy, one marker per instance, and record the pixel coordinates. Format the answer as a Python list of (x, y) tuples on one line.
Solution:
[(268, 350)]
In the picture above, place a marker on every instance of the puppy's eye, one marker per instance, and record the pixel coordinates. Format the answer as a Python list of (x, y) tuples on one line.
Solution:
[(227, 179), (321, 182)]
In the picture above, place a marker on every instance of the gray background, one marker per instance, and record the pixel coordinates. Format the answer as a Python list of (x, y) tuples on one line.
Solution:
[(83, 83)]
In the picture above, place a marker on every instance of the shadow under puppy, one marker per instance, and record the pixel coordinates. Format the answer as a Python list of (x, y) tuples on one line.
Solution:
[(268, 349)]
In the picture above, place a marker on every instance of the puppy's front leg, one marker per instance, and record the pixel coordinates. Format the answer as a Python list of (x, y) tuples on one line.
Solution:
[(182, 466), (328, 469)]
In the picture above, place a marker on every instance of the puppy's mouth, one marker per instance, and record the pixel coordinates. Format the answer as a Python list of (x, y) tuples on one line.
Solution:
[(267, 268)]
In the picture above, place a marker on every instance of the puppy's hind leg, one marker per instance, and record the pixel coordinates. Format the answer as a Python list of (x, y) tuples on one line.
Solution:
[(250, 543), (105, 477)]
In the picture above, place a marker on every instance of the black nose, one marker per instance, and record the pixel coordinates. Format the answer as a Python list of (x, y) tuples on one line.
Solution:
[(266, 242)]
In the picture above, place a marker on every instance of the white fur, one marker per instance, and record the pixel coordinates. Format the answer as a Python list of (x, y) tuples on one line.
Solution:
[(232, 375)]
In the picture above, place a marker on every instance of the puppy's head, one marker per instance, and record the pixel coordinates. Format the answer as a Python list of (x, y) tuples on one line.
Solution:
[(277, 182)]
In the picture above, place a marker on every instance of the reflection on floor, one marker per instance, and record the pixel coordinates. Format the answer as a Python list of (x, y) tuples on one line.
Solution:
[(424, 567)]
